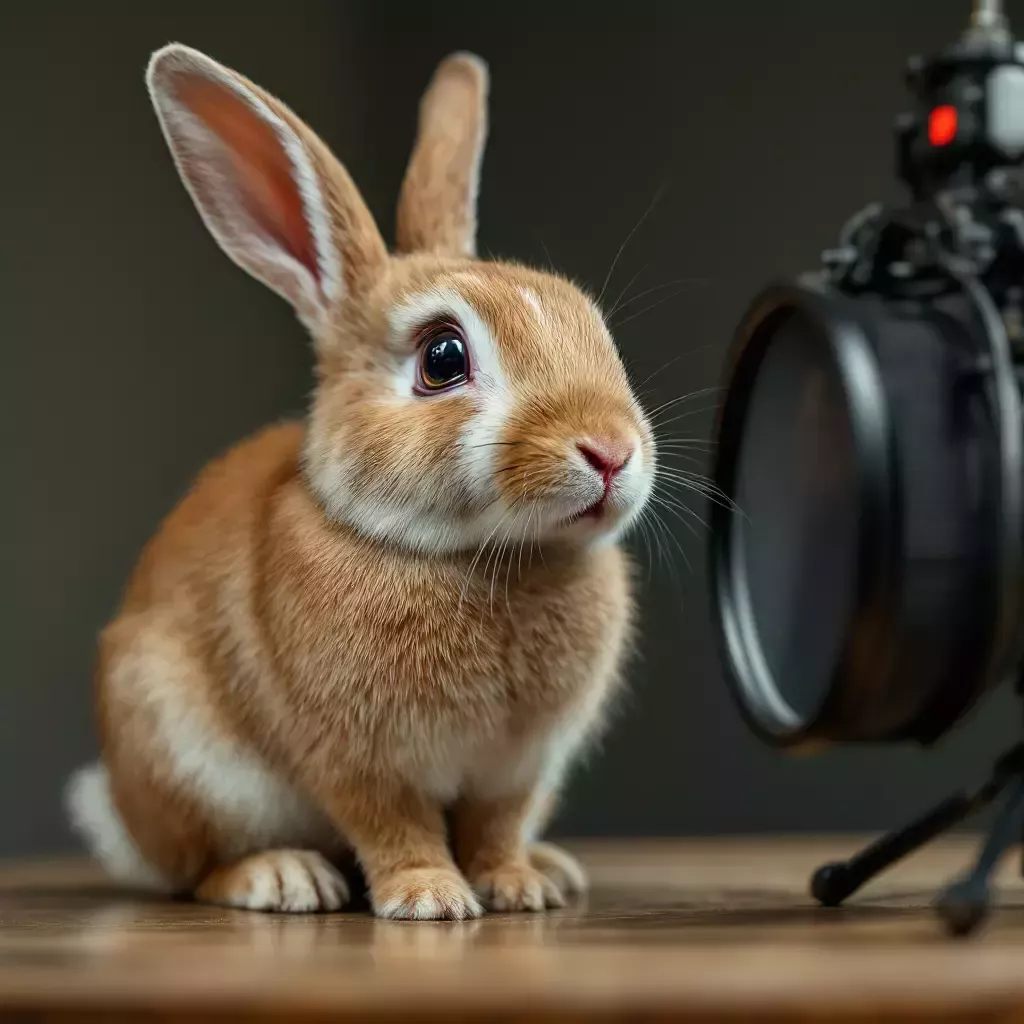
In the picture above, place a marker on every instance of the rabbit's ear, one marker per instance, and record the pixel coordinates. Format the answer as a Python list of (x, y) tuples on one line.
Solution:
[(437, 207), (270, 192)]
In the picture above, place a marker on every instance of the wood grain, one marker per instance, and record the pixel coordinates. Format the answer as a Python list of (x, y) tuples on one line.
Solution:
[(695, 931)]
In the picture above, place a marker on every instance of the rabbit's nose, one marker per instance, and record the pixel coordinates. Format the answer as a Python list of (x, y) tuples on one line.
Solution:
[(608, 457)]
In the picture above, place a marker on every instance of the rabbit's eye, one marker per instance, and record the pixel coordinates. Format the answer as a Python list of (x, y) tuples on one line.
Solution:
[(444, 361)]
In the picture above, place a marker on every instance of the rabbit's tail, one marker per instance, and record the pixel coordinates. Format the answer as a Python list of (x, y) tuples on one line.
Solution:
[(95, 818)]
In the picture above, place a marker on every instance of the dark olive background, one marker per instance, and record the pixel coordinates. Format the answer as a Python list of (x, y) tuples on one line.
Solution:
[(132, 350)]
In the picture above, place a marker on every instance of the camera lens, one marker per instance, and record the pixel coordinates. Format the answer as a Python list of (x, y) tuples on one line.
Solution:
[(856, 579), (796, 539)]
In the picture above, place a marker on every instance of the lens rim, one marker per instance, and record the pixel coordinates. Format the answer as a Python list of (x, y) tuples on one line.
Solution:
[(867, 645), (1007, 647)]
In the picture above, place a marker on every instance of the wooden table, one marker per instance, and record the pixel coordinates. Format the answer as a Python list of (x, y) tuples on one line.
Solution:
[(700, 930)]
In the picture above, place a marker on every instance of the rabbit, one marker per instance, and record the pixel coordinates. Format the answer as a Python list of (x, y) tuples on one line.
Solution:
[(384, 634)]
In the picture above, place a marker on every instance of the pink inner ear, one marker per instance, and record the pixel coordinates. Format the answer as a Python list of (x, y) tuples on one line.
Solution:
[(263, 172)]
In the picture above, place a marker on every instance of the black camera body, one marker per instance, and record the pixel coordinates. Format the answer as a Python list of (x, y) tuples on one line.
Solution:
[(867, 561), (872, 429)]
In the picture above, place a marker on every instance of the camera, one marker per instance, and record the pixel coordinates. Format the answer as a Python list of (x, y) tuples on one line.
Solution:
[(867, 565)]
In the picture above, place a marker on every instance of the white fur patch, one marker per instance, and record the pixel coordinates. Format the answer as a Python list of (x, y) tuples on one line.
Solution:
[(206, 169), (561, 750), (251, 807), (531, 300), (256, 807), (419, 309), (540, 766)]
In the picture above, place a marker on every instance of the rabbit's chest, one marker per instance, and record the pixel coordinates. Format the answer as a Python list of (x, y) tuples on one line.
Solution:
[(506, 744), (452, 687), (534, 652), (527, 685)]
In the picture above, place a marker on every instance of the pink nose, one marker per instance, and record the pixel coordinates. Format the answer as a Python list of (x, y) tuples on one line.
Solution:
[(606, 456)]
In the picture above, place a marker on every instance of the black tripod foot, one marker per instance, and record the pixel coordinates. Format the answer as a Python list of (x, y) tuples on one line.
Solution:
[(833, 883), (963, 906)]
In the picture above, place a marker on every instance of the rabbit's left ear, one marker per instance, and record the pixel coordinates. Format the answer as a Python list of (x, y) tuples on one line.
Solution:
[(437, 206), (270, 192)]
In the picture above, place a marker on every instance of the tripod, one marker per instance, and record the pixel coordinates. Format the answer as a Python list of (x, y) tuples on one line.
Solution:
[(964, 904)]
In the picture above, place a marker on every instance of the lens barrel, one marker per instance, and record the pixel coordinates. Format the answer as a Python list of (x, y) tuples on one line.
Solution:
[(856, 582)]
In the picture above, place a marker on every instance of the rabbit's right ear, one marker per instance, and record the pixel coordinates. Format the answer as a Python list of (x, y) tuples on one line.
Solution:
[(437, 205), (270, 192)]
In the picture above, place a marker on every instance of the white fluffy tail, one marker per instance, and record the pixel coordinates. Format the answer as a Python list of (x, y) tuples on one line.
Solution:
[(94, 817)]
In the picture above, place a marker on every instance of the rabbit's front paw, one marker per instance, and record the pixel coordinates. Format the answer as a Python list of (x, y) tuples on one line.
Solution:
[(282, 881), (426, 894), (517, 886)]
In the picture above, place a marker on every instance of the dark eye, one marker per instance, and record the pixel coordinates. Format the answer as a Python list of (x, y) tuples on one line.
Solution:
[(444, 361)]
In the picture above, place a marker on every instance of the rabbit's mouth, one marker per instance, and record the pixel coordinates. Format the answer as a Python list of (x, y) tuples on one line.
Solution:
[(594, 511)]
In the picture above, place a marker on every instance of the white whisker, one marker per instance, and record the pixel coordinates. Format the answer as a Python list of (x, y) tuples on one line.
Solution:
[(636, 227)]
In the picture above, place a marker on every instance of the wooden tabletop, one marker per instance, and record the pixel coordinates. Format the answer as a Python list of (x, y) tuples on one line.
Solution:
[(698, 930)]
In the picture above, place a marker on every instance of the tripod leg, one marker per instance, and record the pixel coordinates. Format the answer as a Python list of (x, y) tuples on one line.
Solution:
[(964, 904), (833, 883)]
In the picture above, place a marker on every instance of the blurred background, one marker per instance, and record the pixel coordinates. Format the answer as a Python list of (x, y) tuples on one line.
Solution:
[(132, 350)]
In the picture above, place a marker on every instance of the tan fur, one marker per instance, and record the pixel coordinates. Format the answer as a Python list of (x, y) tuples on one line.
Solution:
[(280, 686), (437, 207)]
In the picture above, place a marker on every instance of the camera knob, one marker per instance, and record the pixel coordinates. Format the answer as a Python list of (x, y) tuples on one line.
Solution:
[(915, 66), (906, 123)]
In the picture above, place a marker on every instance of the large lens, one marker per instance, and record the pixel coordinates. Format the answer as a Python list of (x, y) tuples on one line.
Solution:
[(855, 588), (795, 548)]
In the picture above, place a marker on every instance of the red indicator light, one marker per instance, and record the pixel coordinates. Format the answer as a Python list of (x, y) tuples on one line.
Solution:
[(942, 126)]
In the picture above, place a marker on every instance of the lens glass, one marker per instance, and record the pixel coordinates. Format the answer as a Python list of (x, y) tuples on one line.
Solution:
[(796, 530)]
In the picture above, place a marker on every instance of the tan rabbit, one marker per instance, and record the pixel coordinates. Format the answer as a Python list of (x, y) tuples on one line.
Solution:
[(407, 611)]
